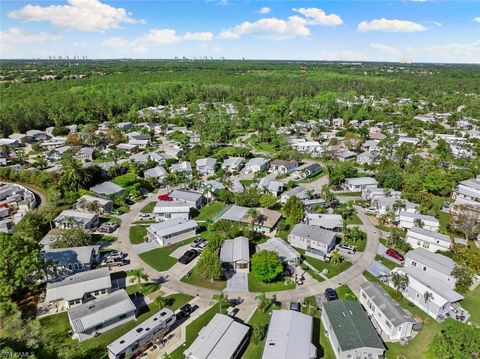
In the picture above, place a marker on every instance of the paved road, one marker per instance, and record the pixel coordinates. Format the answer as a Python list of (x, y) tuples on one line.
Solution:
[(171, 279)]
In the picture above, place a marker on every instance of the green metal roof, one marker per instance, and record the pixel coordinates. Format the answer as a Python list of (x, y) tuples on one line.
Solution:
[(351, 325)]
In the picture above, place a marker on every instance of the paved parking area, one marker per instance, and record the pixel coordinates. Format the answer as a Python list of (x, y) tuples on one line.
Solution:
[(145, 247), (238, 283), (177, 253), (382, 250), (376, 268)]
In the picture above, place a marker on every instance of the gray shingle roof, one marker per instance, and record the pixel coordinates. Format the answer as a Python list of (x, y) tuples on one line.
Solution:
[(171, 226), (234, 250), (351, 325), (389, 308), (106, 188), (186, 195), (66, 256), (282, 248), (435, 261)]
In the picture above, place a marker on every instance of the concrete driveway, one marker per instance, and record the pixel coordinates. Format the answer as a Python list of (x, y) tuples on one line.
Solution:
[(237, 283)]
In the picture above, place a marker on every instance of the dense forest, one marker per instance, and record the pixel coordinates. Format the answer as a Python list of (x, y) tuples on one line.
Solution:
[(38, 94)]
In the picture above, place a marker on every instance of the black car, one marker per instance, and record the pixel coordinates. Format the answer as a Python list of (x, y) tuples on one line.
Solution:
[(188, 256), (295, 306), (330, 294)]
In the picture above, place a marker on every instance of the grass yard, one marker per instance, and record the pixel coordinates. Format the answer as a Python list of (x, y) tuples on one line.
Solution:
[(137, 234), (472, 304), (58, 325), (314, 177), (254, 350), (144, 288), (209, 211), (348, 194), (344, 292), (194, 328), (354, 220), (360, 244), (193, 278), (386, 262), (333, 269), (160, 259), (255, 285), (149, 207)]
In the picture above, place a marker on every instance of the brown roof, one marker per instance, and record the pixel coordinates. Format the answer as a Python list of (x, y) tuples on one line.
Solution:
[(269, 218), (283, 162)]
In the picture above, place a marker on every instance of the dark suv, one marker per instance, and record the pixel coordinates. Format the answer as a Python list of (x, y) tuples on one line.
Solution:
[(330, 294), (188, 256)]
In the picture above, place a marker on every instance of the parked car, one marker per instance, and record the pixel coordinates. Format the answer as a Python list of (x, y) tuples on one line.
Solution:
[(394, 254), (188, 256), (115, 254), (108, 227), (197, 242), (347, 248), (295, 306), (164, 197), (330, 294), (115, 262), (185, 311)]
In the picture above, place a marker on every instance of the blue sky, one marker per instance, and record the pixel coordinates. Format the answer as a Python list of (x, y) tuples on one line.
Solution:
[(396, 30)]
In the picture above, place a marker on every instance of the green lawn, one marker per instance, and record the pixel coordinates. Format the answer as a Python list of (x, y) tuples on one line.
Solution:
[(58, 325), (193, 278), (348, 194), (354, 219), (344, 292), (159, 258), (255, 285), (333, 269), (314, 177), (149, 207), (472, 304), (137, 234), (360, 244), (144, 288), (254, 351), (312, 273), (194, 328), (386, 262), (209, 211)]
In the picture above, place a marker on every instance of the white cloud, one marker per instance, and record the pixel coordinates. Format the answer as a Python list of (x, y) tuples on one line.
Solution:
[(319, 17), (19, 36), (264, 10), (156, 37), (81, 15), (477, 19), (279, 29), (385, 25), (387, 49), (460, 52)]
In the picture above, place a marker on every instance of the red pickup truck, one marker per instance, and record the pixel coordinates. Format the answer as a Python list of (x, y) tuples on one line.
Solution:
[(164, 197)]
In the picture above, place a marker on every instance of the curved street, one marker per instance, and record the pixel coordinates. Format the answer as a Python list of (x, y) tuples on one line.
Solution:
[(171, 279)]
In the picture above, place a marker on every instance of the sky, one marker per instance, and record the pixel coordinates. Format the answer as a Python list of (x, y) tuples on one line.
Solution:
[(382, 30)]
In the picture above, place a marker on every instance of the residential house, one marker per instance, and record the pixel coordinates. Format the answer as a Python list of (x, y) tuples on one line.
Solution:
[(173, 151), (365, 158), (313, 148), (300, 192), (386, 315), (107, 189), (184, 167), (307, 170), (358, 184), (172, 231), (350, 332), (236, 186), (158, 173), (94, 204), (345, 155), (21, 137), (193, 199), (434, 296), (272, 186), (233, 164), (468, 190), (264, 222), (101, 315), (64, 261), (235, 253), (71, 218), (127, 147), (288, 255), (256, 165), (410, 220), (124, 125), (85, 154), (331, 222), (432, 264), (432, 241), (165, 210), (157, 157), (315, 241), (37, 135), (223, 337), (206, 166), (54, 142), (283, 167), (10, 142), (289, 336), (79, 288)]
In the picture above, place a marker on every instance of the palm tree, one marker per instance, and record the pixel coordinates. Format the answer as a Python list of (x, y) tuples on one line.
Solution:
[(418, 223), (220, 299), (74, 175), (160, 301), (137, 276), (427, 296), (263, 302), (399, 281), (253, 213), (336, 257)]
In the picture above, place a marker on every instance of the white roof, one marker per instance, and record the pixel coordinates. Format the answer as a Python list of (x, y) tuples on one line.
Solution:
[(282, 248), (327, 221), (430, 236), (77, 285), (289, 336), (206, 162), (436, 261), (171, 207), (219, 339), (171, 226), (234, 250), (185, 195), (106, 188), (361, 181), (408, 215)]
